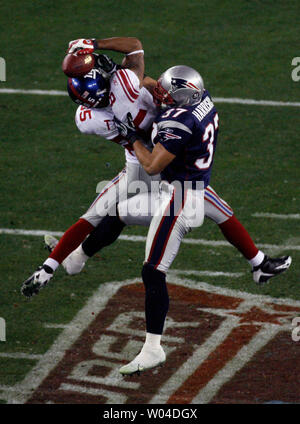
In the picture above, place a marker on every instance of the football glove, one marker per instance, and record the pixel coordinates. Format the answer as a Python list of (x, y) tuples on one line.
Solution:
[(81, 46), (127, 129), (105, 63)]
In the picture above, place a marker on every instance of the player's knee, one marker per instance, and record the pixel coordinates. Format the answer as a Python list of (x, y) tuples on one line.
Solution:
[(226, 220)]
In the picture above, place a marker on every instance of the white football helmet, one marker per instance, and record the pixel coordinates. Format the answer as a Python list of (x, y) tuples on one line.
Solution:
[(179, 86)]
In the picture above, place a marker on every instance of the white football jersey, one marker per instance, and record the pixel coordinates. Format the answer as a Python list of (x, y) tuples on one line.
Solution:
[(126, 96), (96, 121), (101, 122)]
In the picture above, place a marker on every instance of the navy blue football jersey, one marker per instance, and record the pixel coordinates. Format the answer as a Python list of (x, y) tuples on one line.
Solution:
[(190, 133)]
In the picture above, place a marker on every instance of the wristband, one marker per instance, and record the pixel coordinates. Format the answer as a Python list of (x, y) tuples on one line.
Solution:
[(135, 52)]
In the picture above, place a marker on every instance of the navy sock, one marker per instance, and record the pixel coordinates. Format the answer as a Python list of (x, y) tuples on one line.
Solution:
[(156, 299)]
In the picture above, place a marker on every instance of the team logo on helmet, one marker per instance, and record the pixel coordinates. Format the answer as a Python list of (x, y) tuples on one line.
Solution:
[(177, 83)]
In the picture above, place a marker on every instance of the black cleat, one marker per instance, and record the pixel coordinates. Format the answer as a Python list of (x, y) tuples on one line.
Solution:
[(270, 267)]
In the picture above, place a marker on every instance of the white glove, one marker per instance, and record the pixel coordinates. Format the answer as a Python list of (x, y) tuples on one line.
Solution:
[(81, 46)]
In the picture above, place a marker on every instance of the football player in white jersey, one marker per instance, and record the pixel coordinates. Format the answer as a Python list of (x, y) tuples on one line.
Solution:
[(128, 93)]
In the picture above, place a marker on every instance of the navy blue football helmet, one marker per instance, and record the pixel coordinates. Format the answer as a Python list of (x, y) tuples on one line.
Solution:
[(91, 90)]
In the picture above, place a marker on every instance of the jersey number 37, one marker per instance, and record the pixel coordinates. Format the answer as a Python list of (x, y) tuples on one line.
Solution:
[(209, 135)]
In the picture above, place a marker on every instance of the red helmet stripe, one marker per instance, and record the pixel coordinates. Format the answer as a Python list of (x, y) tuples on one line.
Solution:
[(189, 84)]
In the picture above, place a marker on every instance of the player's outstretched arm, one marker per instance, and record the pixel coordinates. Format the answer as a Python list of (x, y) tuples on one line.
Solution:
[(130, 46), (149, 83)]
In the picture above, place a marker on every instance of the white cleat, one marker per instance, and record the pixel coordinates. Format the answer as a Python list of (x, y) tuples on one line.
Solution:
[(148, 358), (50, 242)]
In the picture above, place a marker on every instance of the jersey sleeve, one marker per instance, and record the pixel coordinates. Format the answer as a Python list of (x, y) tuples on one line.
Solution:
[(173, 135), (124, 92)]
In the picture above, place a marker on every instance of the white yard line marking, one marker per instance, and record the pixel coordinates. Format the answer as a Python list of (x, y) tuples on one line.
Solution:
[(254, 102), (37, 92), (202, 242), (30, 232), (276, 215), (233, 100), (175, 272), (20, 355)]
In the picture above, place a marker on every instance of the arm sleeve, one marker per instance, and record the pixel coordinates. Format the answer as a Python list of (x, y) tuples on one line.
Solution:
[(96, 121), (173, 135)]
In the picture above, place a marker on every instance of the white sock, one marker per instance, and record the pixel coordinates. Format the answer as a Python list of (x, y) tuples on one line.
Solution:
[(152, 340), (52, 263), (257, 260)]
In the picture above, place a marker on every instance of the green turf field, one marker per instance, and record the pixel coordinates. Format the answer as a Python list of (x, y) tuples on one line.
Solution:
[(49, 171)]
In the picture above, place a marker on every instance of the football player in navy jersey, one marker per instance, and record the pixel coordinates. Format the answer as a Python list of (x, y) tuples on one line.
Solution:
[(184, 138)]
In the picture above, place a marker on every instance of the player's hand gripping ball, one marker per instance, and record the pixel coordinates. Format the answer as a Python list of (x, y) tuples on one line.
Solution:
[(81, 46), (77, 65)]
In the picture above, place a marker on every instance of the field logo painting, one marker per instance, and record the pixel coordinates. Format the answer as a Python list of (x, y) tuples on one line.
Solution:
[(222, 346), (2, 69), (2, 330)]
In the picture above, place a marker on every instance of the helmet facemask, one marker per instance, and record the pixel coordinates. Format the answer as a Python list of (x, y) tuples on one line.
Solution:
[(161, 96)]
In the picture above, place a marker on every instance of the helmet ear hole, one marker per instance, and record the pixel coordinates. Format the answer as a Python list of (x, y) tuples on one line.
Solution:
[(196, 96)]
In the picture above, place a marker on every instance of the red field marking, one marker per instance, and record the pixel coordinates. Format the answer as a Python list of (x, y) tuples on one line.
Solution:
[(216, 361), (196, 353)]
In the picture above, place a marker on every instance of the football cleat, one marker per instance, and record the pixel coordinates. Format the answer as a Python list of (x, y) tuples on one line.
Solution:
[(38, 280), (50, 242), (270, 267), (148, 358)]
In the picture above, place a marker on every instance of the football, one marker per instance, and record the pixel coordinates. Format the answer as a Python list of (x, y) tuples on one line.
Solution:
[(77, 66)]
